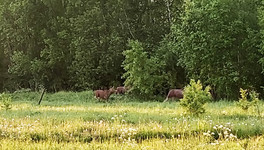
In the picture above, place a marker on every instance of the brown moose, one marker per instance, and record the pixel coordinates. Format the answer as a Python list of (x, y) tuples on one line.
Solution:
[(104, 94), (174, 93), (121, 90)]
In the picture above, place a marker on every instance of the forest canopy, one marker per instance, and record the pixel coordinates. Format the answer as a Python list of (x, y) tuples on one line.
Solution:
[(149, 45)]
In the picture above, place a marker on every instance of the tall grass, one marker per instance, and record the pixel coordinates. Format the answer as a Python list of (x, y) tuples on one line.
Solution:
[(70, 120)]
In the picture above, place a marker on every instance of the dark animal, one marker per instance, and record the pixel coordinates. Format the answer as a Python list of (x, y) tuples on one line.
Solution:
[(104, 94), (121, 90), (174, 93)]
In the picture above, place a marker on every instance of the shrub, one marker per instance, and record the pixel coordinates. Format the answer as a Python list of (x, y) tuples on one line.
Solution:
[(245, 103), (255, 100), (6, 100), (195, 97)]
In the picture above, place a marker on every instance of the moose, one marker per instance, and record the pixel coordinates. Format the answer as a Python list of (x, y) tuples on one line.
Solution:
[(104, 94), (174, 93), (121, 90)]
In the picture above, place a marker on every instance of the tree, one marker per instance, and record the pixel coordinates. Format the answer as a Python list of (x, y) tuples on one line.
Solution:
[(174, 74), (3, 70), (143, 73), (217, 42), (97, 46), (22, 22), (261, 23)]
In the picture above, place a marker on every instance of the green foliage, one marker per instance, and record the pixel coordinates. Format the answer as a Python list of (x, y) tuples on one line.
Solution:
[(254, 97), (6, 100), (195, 97), (142, 71), (173, 73), (98, 55), (243, 101), (20, 68), (246, 103), (3, 69), (77, 45), (261, 23), (217, 43)]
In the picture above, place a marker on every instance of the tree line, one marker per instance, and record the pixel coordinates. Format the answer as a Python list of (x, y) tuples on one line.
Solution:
[(149, 45)]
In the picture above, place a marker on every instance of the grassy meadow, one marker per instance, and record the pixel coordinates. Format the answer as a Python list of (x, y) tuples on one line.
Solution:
[(69, 120)]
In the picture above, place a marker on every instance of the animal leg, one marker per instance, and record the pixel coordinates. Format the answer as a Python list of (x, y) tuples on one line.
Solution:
[(166, 100)]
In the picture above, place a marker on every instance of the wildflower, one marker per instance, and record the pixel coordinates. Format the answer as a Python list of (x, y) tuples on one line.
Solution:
[(224, 112)]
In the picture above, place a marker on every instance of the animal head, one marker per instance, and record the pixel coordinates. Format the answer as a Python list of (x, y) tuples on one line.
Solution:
[(112, 90)]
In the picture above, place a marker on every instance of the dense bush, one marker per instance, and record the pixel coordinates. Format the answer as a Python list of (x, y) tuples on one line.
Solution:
[(195, 97)]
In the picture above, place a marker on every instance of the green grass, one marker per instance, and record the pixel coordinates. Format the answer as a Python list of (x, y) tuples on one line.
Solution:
[(69, 120)]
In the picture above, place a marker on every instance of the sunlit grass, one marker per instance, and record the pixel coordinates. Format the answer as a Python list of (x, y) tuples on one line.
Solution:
[(255, 143), (70, 120)]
